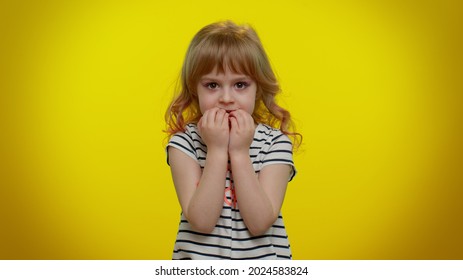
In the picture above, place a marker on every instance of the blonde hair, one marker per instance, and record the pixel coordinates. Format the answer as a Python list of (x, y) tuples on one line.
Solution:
[(238, 47)]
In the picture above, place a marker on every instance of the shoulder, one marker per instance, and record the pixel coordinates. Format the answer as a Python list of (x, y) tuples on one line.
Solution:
[(270, 136), (273, 147), (190, 134), (188, 141), (189, 129)]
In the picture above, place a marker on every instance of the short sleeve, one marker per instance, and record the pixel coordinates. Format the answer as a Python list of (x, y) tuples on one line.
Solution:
[(184, 142), (281, 152)]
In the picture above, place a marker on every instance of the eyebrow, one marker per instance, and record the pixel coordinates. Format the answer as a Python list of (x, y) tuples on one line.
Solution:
[(215, 78)]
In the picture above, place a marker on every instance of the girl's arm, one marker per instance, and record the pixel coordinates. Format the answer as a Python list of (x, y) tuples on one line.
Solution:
[(201, 193), (259, 197)]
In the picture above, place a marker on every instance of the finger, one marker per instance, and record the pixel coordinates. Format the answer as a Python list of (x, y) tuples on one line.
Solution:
[(241, 118), (236, 124), (248, 120), (211, 116), (204, 119), (233, 123), (229, 121), (220, 115), (225, 120), (235, 113), (199, 124)]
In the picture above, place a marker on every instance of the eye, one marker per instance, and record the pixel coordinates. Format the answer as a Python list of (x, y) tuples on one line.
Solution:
[(212, 85), (241, 85)]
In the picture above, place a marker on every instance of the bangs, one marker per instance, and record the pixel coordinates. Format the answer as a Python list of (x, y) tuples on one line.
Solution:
[(222, 52)]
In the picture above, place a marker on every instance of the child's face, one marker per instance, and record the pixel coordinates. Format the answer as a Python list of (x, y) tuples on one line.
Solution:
[(229, 91)]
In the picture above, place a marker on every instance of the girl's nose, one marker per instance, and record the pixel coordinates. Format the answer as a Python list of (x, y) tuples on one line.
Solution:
[(227, 96)]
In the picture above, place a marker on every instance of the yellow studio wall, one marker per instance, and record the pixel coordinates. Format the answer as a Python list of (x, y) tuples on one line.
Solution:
[(374, 87)]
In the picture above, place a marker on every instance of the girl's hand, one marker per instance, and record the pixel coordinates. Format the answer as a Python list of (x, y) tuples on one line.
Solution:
[(214, 129), (241, 132)]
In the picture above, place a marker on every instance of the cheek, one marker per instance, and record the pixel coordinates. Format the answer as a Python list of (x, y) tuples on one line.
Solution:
[(202, 106), (251, 108), (252, 101), (205, 103)]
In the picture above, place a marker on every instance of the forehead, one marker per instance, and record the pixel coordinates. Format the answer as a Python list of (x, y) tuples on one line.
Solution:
[(226, 74)]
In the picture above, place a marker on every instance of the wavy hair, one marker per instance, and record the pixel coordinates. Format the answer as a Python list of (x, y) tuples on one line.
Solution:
[(237, 47)]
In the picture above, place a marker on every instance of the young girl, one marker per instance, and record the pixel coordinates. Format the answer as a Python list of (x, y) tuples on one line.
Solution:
[(230, 167)]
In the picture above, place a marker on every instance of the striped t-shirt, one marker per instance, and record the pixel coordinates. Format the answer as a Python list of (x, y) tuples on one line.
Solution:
[(230, 238)]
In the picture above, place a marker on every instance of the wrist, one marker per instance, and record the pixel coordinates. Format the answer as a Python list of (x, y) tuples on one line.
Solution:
[(218, 153), (239, 156)]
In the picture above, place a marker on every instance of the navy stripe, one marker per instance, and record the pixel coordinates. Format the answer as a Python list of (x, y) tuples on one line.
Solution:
[(276, 151), (285, 257), (203, 244), (200, 149), (273, 160), (240, 229), (255, 257), (200, 143), (204, 234), (188, 140), (229, 247), (278, 226), (195, 132), (264, 132), (276, 137), (292, 174), (234, 229), (252, 248), (173, 144), (281, 246), (222, 257), (224, 227), (283, 142), (230, 218), (260, 236), (202, 254)]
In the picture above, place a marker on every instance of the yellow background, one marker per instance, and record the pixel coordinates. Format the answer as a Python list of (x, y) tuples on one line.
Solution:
[(375, 87)]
